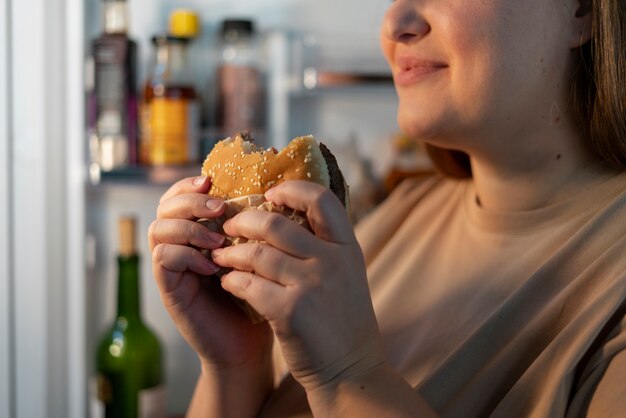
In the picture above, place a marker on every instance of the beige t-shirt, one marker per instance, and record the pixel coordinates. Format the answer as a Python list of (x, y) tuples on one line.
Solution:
[(498, 314)]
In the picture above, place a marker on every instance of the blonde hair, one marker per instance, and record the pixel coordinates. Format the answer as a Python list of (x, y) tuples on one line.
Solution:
[(598, 92)]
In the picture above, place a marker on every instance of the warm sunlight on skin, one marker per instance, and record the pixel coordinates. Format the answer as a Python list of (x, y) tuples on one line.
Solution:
[(462, 68), (473, 76)]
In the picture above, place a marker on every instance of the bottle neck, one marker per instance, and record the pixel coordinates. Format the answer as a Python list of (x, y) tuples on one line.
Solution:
[(172, 63), (115, 17), (128, 287), (241, 51)]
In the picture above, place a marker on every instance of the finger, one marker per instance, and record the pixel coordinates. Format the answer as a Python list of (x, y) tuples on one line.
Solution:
[(190, 206), (264, 295), (275, 229), (170, 260), (326, 215), (199, 184), (262, 259), (182, 232)]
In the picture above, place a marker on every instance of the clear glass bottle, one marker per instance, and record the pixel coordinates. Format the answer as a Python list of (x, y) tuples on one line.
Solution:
[(112, 113), (240, 81), (129, 360)]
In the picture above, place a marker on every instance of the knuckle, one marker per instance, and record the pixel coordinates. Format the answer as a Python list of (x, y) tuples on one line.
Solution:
[(190, 230), (245, 284), (321, 197), (159, 253), (272, 223), (160, 209), (194, 253), (152, 230), (257, 251), (165, 195)]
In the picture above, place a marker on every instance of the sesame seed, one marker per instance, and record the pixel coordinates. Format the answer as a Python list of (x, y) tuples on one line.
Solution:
[(280, 176), (308, 175), (266, 171)]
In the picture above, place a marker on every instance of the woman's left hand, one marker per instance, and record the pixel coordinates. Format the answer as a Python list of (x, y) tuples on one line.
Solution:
[(312, 287)]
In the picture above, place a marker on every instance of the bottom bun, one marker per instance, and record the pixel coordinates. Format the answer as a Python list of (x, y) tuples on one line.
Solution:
[(242, 204)]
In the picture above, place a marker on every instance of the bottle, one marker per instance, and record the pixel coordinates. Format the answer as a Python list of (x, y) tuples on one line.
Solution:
[(129, 382), (240, 81), (112, 116), (170, 112)]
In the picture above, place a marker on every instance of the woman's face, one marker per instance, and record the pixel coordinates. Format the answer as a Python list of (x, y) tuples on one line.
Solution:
[(478, 69)]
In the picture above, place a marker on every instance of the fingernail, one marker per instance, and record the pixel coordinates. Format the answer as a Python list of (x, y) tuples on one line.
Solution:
[(212, 267), (216, 239), (199, 180), (216, 252), (213, 204), (269, 194)]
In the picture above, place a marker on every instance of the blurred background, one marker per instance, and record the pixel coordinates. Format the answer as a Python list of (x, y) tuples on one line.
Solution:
[(106, 103)]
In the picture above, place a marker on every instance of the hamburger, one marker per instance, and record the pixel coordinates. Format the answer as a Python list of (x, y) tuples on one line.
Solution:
[(242, 172), (237, 167)]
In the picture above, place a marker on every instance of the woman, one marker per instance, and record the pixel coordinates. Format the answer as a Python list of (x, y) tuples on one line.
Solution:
[(497, 289)]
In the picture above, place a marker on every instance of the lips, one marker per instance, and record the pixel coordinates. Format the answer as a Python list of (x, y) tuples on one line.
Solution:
[(410, 70)]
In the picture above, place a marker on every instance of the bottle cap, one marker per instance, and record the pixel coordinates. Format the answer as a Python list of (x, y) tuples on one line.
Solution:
[(126, 225), (238, 26), (184, 24)]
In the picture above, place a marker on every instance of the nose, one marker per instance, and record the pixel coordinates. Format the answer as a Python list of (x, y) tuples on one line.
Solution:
[(404, 23)]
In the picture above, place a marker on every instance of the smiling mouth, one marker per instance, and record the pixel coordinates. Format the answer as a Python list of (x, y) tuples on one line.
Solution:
[(412, 71)]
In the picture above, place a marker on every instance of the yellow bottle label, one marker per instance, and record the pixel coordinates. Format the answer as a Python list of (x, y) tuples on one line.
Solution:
[(171, 130)]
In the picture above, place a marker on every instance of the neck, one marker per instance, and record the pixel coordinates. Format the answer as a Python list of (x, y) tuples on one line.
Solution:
[(115, 17), (128, 287), (543, 169)]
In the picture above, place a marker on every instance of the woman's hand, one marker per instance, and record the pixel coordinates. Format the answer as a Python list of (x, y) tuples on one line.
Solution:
[(312, 287), (204, 314)]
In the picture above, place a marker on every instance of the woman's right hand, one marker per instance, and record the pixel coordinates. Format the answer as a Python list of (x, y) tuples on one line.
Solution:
[(204, 313)]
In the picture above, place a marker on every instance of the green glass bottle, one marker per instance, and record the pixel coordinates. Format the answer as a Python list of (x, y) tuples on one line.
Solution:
[(129, 382)]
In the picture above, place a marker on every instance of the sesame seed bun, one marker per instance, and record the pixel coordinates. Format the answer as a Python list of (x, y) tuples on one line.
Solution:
[(239, 168)]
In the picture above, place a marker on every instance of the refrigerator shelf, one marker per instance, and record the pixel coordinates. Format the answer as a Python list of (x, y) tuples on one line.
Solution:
[(157, 176)]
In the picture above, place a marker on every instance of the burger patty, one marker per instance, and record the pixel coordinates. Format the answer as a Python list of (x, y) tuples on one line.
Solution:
[(337, 182)]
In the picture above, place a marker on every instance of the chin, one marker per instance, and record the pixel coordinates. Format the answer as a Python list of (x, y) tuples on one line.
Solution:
[(418, 125)]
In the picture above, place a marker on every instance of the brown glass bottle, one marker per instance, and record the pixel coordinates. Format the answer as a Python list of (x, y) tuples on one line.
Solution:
[(112, 113), (169, 109), (240, 82)]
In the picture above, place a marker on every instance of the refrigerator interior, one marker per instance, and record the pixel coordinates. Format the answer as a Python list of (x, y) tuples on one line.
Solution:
[(340, 34)]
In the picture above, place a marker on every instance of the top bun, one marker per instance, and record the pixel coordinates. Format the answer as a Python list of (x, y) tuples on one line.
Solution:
[(238, 168)]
